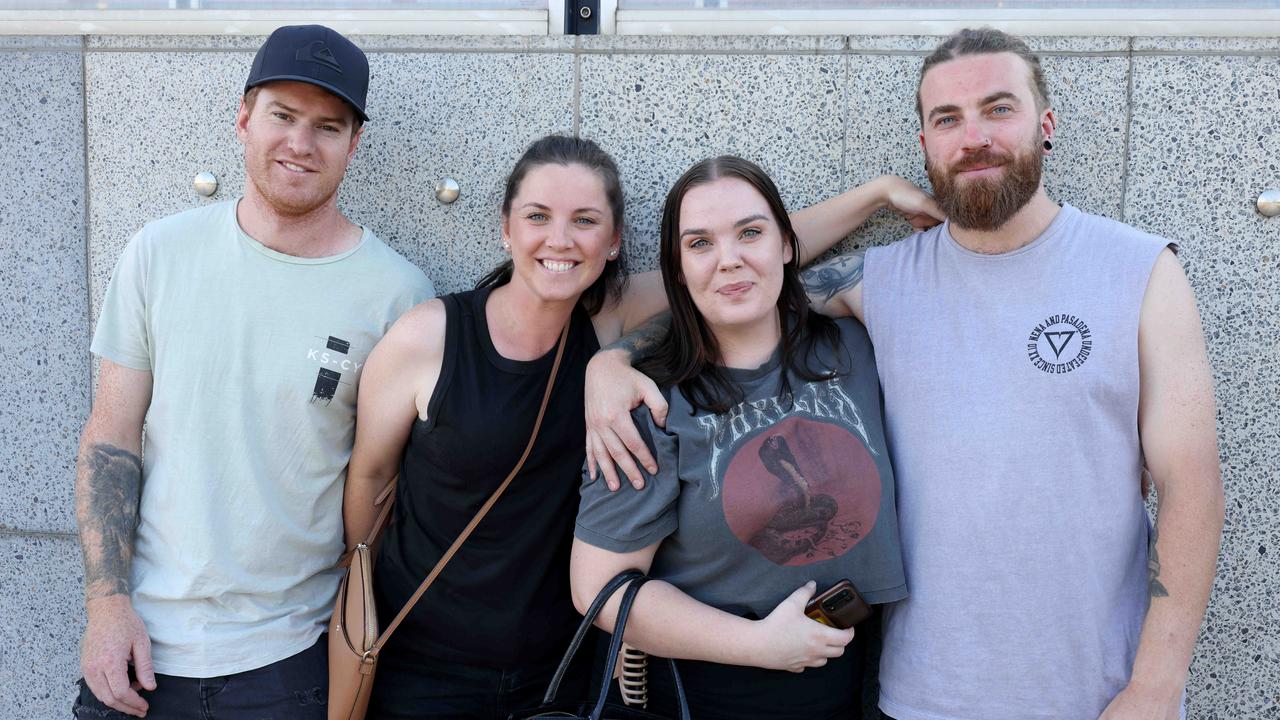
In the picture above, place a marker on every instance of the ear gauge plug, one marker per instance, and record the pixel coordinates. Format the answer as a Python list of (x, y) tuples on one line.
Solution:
[(1048, 145)]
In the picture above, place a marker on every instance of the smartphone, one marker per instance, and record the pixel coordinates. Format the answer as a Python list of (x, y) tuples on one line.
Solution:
[(839, 606)]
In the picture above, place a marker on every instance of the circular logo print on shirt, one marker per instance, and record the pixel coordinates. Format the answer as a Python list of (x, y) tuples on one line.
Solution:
[(1060, 344), (802, 492)]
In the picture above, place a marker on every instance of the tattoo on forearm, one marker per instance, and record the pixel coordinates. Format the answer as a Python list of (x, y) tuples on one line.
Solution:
[(1155, 588), (829, 279), (642, 341), (108, 518)]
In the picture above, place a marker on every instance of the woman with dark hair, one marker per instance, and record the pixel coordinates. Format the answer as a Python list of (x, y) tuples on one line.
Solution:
[(773, 479), (448, 399)]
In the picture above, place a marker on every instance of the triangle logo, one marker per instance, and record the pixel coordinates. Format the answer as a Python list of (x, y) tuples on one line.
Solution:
[(1058, 341), (319, 53)]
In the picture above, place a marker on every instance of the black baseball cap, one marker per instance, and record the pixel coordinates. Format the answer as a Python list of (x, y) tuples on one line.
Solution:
[(313, 54)]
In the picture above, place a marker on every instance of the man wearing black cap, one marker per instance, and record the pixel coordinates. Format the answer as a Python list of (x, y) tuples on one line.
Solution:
[(238, 331)]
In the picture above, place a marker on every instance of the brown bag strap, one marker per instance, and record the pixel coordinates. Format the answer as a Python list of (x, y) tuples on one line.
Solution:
[(484, 509), (379, 502), (384, 513)]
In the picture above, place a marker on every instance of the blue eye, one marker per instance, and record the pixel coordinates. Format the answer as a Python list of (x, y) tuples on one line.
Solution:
[(536, 217), (750, 233), (585, 221)]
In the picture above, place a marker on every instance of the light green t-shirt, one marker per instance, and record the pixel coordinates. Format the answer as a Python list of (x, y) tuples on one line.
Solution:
[(255, 357)]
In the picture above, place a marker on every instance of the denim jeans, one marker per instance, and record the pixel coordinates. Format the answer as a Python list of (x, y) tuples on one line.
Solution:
[(296, 687)]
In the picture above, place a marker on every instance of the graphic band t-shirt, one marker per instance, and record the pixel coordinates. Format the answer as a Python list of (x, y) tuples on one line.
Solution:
[(753, 503)]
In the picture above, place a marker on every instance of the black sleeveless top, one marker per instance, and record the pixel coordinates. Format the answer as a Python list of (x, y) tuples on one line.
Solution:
[(503, 601)]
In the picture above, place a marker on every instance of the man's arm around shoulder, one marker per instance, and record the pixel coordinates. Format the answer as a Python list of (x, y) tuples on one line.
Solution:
[(1177, 424), (108, 491), (613, 390)]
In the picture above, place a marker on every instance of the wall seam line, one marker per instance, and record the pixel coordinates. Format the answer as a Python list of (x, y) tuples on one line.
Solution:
[(88, 255), (41, 49), (16, 532), (1128, 134), (577, 87), (848, 111)]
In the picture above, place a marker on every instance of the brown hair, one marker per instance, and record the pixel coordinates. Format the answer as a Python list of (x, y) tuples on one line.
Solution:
[(985, 41), (690, 355), (565, 150)]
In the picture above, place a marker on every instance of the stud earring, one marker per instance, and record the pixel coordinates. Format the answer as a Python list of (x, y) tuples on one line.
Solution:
[(1048, 145), (506, 246), (613, 254)]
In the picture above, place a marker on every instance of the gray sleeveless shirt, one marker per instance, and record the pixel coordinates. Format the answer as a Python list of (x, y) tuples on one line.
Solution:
[(1011, 400)]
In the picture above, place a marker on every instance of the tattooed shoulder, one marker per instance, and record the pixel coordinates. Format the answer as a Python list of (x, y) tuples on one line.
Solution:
[(642, 341), (826, 280)]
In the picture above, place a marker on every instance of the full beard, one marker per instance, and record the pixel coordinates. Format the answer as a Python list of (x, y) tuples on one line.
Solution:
[(986, 204)]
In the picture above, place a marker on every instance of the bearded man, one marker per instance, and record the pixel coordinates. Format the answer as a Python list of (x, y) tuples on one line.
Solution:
[(1037, 363), (237, 330)]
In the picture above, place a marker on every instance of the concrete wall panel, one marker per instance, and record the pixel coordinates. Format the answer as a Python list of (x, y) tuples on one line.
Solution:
[(155, 120), (881, 134), (43, 619), (466, 116), (44, 380), (1205, 141), (658, 114)]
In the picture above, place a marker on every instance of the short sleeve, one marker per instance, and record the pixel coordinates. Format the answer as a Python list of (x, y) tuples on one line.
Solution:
[(629, 519), (121, 336), (425, 289), (418, 288)]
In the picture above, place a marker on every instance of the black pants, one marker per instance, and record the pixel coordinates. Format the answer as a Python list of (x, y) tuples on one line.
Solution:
[(296, 688), (731, 692), (419, 687)]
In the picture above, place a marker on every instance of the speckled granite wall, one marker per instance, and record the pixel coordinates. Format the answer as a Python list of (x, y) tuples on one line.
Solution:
[(1185, 158), (44, 376), (1204, 140)]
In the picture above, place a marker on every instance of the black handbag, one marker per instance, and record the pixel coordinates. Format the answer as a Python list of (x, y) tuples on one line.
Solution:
[(601, 708)]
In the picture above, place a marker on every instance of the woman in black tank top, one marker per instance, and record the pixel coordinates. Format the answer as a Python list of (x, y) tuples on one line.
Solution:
[(448, 400)]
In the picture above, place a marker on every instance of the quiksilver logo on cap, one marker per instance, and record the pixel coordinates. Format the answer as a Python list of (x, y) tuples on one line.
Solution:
[(317, 52)]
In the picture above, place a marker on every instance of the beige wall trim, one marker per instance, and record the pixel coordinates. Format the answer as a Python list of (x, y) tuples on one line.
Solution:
[(262, 22), (1102, 21)]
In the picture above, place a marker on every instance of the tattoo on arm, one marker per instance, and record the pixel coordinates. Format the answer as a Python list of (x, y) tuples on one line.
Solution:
[(108, 518), (642, 341), (827, 280), (1155, 588)]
